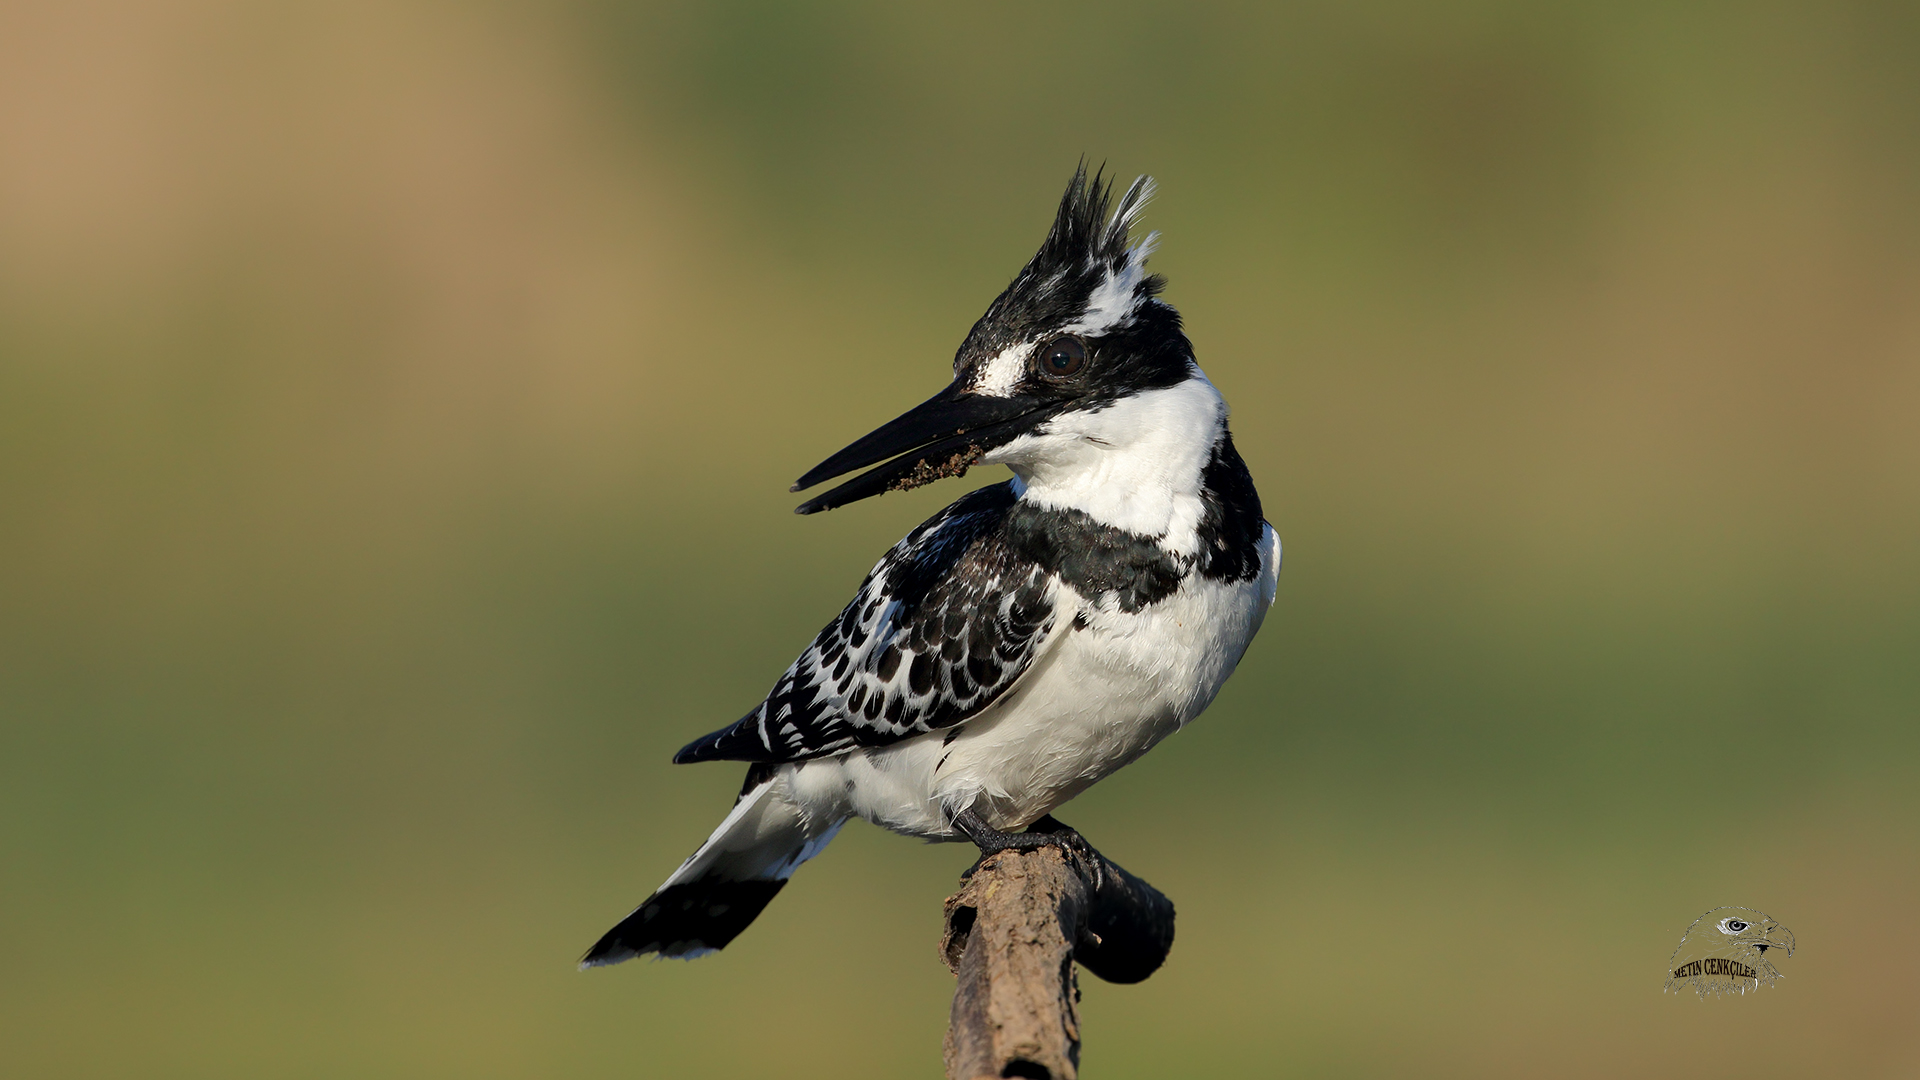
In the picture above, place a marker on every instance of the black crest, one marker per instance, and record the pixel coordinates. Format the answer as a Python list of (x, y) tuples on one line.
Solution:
[(1084, 234), (1086, 246)]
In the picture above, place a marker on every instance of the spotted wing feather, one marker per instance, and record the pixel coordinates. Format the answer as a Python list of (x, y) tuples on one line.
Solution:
[(942, 626)]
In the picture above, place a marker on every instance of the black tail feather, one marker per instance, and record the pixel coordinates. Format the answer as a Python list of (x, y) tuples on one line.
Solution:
[(685, 920)]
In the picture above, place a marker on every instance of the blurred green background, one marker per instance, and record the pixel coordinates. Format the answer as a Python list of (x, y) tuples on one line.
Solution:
[(397, 403)]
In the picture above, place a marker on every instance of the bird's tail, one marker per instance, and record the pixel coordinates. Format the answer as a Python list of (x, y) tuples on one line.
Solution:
[(724, 886)]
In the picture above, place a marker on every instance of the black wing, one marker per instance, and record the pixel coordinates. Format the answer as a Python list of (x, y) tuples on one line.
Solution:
[(941, 627)]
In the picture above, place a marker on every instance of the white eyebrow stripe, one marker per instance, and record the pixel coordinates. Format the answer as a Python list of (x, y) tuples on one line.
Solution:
[(1000, 375)]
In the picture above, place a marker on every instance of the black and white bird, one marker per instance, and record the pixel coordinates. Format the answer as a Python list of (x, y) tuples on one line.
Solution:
[(1034, 636)]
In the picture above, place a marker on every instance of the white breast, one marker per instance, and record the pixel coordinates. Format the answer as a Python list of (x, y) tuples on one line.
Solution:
[(1096, 699), (1134, 464)]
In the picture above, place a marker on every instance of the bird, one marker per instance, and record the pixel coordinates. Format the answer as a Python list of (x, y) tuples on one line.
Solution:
[(1034, 636), (1725, 951)]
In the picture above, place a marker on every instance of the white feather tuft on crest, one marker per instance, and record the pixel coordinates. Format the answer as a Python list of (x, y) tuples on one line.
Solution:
[(1132, 203), (1115, 299)]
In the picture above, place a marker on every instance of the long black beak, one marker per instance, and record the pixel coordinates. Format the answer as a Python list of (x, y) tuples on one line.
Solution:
[(944, 435)]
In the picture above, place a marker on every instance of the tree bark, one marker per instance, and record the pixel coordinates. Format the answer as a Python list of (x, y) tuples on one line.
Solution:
[(1013, 934)]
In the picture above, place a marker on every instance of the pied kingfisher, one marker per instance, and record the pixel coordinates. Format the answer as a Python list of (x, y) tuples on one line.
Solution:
[(1029, 639)]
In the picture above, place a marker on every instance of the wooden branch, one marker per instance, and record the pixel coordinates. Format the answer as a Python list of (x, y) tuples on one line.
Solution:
[(1013, 934)]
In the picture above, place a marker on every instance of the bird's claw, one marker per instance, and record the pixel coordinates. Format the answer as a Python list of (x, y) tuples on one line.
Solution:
[(1086, 860)]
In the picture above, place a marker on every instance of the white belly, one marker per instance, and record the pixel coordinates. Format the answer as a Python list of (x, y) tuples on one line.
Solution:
[(1097, 698)]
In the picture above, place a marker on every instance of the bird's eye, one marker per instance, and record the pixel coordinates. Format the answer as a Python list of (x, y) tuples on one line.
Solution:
[(1735, 925), (1062, 357)]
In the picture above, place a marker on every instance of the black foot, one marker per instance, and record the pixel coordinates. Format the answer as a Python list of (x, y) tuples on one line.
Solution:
[(1046, 832)]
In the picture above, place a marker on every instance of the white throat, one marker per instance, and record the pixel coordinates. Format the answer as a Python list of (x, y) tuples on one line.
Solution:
[(1134, 465)]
